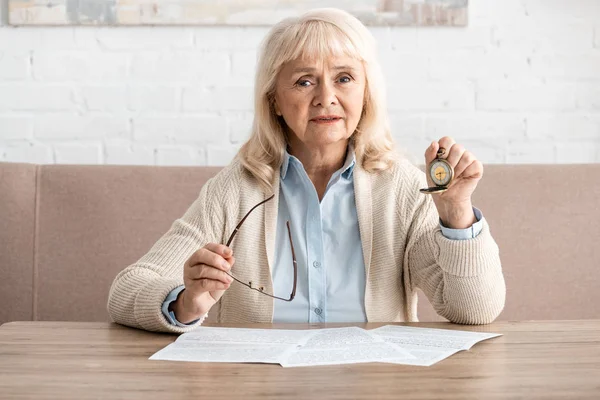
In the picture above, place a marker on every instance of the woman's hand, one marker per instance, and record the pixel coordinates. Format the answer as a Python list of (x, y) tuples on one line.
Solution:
[(454, 205), (205, 280)]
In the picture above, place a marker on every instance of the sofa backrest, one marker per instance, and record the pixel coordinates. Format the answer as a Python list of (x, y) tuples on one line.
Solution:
[(66, 231)]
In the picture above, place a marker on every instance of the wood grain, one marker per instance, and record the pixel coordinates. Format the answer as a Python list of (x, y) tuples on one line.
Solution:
[(74, 360)]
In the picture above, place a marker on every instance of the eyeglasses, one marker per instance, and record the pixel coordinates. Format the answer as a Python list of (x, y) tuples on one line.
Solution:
[(251, 285)]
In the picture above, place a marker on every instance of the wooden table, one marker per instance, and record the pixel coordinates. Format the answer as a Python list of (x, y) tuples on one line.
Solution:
[(73, 360)]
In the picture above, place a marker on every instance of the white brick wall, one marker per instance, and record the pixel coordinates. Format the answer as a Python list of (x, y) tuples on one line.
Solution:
[(520, 84)]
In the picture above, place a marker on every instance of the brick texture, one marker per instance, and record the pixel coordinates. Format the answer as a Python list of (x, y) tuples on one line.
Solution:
[(520, 84)]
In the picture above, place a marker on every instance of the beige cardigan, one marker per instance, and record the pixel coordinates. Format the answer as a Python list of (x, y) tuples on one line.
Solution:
[(403, 249)]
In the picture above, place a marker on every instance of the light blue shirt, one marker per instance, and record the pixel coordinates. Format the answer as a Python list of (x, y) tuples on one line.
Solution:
[(331, 270)]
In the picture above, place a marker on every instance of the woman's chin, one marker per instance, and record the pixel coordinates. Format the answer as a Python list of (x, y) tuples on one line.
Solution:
[(329, 138)]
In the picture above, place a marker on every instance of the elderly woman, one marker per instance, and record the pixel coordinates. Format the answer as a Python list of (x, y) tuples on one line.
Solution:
[(339, 231)]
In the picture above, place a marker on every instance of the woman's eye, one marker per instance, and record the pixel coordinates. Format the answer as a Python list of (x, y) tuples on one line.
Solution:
[(345, 79), (304, 83)]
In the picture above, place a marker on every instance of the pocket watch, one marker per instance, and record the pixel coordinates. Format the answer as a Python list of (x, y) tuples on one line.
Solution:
[(441, 173)]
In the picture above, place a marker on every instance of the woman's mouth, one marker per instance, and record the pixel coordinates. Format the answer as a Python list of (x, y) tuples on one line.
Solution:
[(326, 119)]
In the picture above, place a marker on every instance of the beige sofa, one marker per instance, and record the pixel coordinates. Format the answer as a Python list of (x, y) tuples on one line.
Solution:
[(65, 232)]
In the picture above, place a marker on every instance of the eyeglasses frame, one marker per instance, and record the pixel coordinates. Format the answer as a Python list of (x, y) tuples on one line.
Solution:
[(250, 285)]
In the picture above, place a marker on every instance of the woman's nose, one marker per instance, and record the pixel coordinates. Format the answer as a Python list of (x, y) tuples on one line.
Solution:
[(325, 95)]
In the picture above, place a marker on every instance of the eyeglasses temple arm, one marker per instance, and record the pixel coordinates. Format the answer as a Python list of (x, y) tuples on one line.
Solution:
[(294, 261), (237, 228)]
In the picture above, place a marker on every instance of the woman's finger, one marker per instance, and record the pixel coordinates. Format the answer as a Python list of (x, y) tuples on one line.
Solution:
[(208, 257), (455, 154), (446, 142), (473, 171), (219, 249), (467, 159), (431, 152), (206, 285), (207, 272)]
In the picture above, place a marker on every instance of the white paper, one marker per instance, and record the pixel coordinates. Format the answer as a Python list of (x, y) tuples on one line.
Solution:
[(339, 338), (221, 352), (427, 345), (375, 352), (245, 335), (207, 344), (333, 346), (343, 346)]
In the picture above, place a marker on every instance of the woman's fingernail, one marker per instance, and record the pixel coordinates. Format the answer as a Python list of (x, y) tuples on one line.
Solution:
[(226, 265)]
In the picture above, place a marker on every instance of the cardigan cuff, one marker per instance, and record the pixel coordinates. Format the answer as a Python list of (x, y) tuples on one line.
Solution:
[(148, 306), (467, 257)]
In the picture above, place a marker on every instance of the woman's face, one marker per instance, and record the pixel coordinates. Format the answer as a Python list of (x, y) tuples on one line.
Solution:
[(321, 103)]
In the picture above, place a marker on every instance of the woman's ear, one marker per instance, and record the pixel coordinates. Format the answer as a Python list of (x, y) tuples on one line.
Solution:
[(276, 107)]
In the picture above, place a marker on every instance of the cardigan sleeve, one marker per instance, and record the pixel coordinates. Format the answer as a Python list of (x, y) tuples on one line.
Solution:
[(138, 292), (462, 279)]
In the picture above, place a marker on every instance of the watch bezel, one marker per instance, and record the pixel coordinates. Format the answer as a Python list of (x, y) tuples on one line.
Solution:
[(450, 169)]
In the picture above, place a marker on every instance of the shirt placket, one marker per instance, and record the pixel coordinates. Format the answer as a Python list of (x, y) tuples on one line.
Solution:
[(316, 275)]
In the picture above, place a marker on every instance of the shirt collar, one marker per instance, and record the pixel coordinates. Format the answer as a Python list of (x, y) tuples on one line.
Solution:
[(347, 169)]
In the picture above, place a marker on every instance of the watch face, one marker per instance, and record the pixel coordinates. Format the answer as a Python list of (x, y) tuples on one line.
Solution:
[(440, 172)]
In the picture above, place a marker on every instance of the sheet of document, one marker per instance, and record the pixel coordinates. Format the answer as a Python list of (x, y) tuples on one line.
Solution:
[(207, 344), (343, 346), (332, 346), (427, 345), (246, 335), (221, 352)]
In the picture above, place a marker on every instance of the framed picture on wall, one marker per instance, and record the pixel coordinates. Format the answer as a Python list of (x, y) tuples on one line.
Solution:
[(230, 12)]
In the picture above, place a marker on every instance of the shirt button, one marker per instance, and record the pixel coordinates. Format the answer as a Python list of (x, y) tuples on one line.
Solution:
[(316, 264), (318, 311)]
